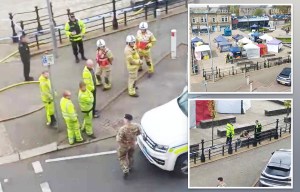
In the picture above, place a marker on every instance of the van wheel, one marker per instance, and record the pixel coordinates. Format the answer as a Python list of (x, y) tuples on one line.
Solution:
[(181, 167)]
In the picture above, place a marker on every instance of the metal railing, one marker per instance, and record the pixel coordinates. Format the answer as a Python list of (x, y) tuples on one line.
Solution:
[(244, 68), (200, 152), (39, 32)]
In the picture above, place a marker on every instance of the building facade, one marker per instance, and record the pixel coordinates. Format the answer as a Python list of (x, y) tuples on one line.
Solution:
[(215, 18), (245, 10)]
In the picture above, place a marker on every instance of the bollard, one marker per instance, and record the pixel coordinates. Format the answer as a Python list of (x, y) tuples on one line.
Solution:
[(270, 135), (248, 142), (276, 134), (37, 41), (219, 72), (195, 159), (257, 65), (158, 13), (103, 23), (209, 153), (186, 3), (235, 148), (232, 70), (59, 35), (251, 87), (166, 9), (290, 128), (202, 151), (280, 132), (39, 27), (114, 21), (248, 79), (125, 18), (173, 43), (155, 8), (14, 34)]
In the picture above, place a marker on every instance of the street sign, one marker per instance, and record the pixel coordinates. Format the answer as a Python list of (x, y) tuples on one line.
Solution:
[(48, 60)]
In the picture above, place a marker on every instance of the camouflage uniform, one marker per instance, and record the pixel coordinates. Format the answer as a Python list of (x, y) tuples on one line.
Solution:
[(126, 138)]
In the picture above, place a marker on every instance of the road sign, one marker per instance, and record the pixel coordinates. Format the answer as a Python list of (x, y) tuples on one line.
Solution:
[(48, 60)]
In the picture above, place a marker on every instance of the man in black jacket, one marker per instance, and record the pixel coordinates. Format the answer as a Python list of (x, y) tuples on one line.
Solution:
[(25, 57)]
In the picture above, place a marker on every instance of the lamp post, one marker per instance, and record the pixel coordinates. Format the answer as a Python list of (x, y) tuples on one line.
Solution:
[(212, 63), (115, 21)]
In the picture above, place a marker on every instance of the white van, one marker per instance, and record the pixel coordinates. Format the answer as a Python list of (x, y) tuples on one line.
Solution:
[(164, 135)]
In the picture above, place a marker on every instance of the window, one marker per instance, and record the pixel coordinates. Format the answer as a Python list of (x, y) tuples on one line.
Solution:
[(213, 19), (193, 20), (224, 19), (203, 19)]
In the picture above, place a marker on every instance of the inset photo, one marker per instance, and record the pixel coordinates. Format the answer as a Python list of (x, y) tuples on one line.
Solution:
[(240, 143), (240, 48)]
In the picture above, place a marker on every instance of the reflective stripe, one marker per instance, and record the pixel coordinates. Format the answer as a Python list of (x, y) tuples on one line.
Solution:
[(67, 115), (181, 150)]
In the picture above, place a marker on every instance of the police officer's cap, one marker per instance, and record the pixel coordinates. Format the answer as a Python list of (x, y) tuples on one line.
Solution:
[(128, 117)]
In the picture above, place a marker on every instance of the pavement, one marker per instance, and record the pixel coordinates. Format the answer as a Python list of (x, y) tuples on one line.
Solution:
[(92, 174), (264, 80), (30, 131), (256, 112), (235, 83), (245, 168)]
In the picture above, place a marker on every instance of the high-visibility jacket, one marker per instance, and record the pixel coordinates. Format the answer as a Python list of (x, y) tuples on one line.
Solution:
[(68, 110), (45, 88), (132, 58), (75, 30), (258, 127), (229, 130), (144, 40), (88, 79), (104, 57), (86, 100)]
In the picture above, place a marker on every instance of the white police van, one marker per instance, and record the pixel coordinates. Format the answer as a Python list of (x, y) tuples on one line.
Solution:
[(164, 135)]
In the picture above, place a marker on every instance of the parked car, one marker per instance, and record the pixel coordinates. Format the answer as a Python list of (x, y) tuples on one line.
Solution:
[(285, 76), (277, 173), (164, 135)]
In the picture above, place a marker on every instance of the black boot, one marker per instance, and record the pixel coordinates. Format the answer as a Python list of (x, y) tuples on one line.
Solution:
[(77, 59), (53, 121), (83, 57)]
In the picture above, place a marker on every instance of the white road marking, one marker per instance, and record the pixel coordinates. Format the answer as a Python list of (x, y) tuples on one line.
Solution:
[(37, 167), (45, 187), (80, 156), (1, 189)]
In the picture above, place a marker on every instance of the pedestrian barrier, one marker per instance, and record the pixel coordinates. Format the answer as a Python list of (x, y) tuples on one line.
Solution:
[(204, 152), (38, 28), (246, 67), (25, 114)]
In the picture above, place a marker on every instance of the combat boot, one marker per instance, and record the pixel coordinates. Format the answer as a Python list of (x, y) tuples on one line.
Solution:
[(92, 136), (53, 121)]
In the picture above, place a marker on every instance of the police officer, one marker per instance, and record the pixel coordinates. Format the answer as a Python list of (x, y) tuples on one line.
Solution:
[(86, 101), (229, 133), (104, 58), (47, 98), (145, 40), (75, 29), (25, 57), (258, 128), (126, 138), (89, 78), (71, 119), (133, 62)]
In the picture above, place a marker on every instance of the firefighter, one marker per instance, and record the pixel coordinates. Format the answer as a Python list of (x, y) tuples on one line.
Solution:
[(70, 116), (104, 58), (47, 98), (145, 40), (75, 30), (133, 62)]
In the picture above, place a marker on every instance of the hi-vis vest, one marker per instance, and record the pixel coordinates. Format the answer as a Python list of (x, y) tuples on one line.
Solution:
[(68, 109), (102, 58), (143, 39)]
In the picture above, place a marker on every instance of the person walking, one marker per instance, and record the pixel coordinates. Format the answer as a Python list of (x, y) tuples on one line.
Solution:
[(25, 57), (221, 182), (89, 78), (145, 41), (86, 100), (47, 98), (75, 30), (229, 133), (132, 62), (104, 58), (71, 118), (126, 138)]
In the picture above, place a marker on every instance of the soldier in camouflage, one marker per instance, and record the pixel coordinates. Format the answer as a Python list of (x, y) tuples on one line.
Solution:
[(126, 139)]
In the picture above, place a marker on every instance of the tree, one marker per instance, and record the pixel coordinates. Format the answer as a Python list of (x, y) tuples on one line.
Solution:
[(258, 12), (234, 10)]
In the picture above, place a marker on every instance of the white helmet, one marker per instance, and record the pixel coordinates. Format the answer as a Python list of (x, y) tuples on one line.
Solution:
[(100, 43), (130, 39), (143, 25)]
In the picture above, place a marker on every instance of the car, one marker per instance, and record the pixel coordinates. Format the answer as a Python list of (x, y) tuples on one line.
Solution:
[(164, 133), (285, 76), (277, 173)]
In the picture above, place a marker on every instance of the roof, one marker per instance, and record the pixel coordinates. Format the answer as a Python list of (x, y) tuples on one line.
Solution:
[(274, 41), (196, 39), (224, 43), (250, 46), (245, 40), (235, 49), (261, 45), (266, 37), (220, 38), (256, 34), (204, 10), (202, 48)]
